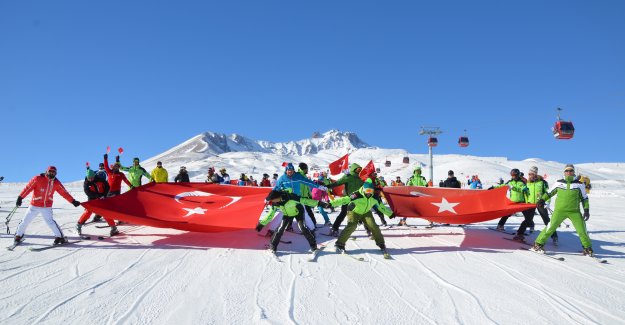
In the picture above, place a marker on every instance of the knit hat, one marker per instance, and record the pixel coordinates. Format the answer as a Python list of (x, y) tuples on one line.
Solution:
[(368, 184), (51, 168), (534, 170), (450, 173), (569, 167), (90, 173), (289, 166), (273, 195)]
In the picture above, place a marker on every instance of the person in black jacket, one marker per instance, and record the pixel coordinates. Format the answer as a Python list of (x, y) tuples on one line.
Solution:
[(451, 180), (183, 176)]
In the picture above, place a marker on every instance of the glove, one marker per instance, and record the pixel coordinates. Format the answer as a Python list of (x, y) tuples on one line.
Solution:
[(106, 156), (541, 203), (393, 215), (117, 158), (491, 188), (75, 203), (526, 190), (586, 214), (259, 227), (324, 205), (323, 188), (19, 201)]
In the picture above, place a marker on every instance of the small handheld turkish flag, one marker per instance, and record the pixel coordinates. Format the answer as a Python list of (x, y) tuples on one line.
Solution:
[(339, 165), (120, 150), (368, 170)]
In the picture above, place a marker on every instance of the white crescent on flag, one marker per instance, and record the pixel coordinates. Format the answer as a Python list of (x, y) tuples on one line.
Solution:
[(201, 193)]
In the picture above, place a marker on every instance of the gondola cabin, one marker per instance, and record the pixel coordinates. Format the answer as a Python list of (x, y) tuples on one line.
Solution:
[(463, 141), (387, 163), (406, 160), (563, 130), (432, 142)]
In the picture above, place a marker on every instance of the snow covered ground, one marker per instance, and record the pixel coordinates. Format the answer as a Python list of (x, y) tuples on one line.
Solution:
[(444, 275)]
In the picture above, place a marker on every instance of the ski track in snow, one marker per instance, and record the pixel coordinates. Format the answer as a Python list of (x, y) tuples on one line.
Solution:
[(389, 263), (167, 271), (557, 300), (92, 288)]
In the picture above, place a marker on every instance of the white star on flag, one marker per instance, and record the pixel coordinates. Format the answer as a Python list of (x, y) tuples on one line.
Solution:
[(446, 206), (197, 210)]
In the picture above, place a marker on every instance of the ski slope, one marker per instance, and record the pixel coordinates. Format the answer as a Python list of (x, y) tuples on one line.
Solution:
[(444, 275)]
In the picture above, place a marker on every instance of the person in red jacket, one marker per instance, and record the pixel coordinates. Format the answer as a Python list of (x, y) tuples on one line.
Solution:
[(43, 187), (265, 181), (115, 177)]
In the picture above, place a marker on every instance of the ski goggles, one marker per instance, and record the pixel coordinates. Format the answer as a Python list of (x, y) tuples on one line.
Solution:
[(368, 191)]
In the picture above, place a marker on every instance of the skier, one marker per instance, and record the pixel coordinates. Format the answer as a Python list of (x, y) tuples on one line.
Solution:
[(305, 190), (159, 174), (265, 181), (115, 177), (361, 202), (43, 187), (183, 176), (475, 183), (101, 172), (352, 184), (320, 195), (451, 180), (518, 190), (274, 180), (224, 176), (291, 206), (570, 194), (95, 188), (135, 172), (537, 188), (415, 180), (293, 182)]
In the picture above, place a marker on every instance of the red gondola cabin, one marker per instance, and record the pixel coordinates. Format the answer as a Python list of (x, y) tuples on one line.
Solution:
[(432, 142), (463, 141), (563, 130)]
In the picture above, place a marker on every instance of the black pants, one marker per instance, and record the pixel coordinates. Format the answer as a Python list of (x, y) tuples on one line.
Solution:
[(503, 220), (339, 219), (529, 220), (275, 239)]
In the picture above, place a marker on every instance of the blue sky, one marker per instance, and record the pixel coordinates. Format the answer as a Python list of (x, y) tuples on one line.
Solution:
[(76, 76)]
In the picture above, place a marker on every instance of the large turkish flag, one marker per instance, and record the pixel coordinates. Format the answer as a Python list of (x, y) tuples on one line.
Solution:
[(186, 206)]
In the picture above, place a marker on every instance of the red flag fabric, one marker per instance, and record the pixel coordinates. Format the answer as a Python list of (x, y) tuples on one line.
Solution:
[(451, 205), (186, 206), (365, 172), (339, 165)]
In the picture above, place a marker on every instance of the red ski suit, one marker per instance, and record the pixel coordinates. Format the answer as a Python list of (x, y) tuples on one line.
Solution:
[(43, 190)]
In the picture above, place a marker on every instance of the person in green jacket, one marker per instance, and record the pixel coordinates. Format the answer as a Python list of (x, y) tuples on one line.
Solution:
[(537, 188), (359, 208), (518, 191), (415, 180), (135, 172), (570, 194), (352, 184), (291, 206)]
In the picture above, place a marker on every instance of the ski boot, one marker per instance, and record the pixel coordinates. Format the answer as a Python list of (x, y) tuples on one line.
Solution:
[(269, 233), (501, 228), (18, 239), (538, 248), (334, 233), (588, 251), (339, 249), (60, 240), (386, 254), (97, 218), (519, 238), (114, 231), (531, 230), (328, 224), (402, 222), (79, 228), (554, 239)]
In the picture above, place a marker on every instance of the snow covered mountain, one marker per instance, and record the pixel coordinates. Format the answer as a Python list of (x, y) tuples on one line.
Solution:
[(240, 154)]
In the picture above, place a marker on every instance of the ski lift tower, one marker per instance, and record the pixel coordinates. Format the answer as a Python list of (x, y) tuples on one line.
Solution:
[(432, 132)]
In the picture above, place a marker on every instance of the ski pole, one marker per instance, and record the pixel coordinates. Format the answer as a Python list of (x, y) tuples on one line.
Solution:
[(8, 219)]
